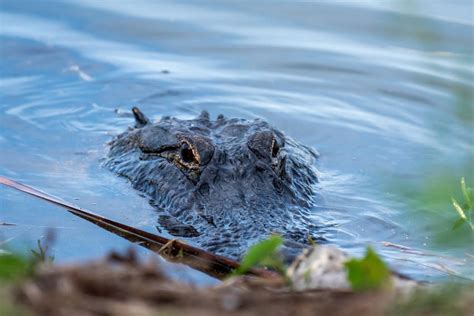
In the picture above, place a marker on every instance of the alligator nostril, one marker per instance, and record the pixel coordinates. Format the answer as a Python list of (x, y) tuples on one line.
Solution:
[(209, 219)]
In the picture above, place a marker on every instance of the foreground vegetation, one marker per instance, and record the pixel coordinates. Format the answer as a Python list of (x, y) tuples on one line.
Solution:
[(122, 285)]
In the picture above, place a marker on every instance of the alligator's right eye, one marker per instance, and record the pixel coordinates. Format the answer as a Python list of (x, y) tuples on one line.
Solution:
[(187, 159), (264, 145)]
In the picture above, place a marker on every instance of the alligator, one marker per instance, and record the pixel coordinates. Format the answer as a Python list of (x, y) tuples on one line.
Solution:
[(221, 184)]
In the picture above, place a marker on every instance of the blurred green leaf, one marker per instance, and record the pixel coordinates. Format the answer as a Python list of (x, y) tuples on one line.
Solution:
[(14, 267), (368, 273), (458, 223), (260, 253), (467, 194), (465, 211)]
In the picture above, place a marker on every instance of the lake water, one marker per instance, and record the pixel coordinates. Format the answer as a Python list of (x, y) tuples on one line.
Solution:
[(379, 88)]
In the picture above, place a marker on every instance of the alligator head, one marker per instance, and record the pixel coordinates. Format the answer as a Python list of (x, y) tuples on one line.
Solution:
[(223, 183)]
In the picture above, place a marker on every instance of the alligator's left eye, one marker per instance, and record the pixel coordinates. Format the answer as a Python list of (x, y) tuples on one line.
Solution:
[(187, 155), (194, 151)]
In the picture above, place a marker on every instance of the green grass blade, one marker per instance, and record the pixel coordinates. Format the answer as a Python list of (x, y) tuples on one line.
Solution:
[(458, 209), (467, 193)]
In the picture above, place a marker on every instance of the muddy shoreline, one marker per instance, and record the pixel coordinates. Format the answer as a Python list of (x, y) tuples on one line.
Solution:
[(123, 285)]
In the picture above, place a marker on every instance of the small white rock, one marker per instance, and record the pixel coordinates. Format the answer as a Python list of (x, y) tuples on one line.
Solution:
[(322, 267)]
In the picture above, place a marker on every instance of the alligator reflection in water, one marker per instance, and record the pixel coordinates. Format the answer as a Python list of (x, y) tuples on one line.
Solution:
[(225, 183)]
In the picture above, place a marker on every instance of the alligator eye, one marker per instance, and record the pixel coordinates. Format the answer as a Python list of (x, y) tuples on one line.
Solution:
[(187, 154)]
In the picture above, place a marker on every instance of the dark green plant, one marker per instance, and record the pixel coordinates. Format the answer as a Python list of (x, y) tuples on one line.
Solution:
[(41, 254)]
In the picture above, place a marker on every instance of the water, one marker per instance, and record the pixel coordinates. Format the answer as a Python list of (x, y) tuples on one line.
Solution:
[(371, 85)]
